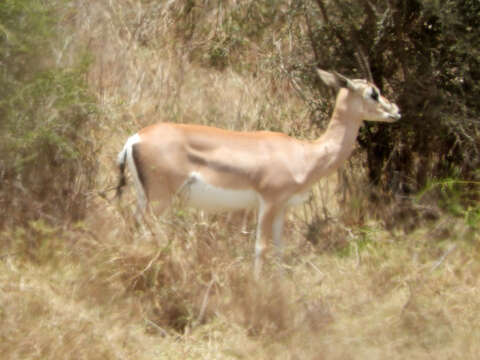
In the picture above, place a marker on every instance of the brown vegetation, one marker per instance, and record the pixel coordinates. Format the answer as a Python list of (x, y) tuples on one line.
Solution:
[(180, 286)]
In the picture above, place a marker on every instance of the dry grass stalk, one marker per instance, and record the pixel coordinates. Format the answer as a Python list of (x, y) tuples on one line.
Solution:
[(106, 289)]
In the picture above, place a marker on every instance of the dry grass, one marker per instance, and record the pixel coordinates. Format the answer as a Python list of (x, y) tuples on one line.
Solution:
[(181, 287), (106, 290)]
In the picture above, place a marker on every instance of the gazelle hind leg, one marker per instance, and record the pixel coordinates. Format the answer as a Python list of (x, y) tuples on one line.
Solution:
[(152, 199), (267, 216)]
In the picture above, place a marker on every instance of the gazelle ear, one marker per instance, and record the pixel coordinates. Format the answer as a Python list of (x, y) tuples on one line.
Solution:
[(335, 80), (344, 81)]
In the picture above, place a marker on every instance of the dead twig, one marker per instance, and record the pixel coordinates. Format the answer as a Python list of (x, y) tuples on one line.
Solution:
[(443, 257), (205, 302), (4, 256), (157, 327)]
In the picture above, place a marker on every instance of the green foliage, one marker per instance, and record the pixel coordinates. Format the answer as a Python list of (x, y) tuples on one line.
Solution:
[(457, 197), (44, 110), (424, 55)]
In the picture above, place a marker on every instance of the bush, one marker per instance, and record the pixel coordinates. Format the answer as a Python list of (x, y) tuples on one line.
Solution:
[(424, 54), (45, 114)]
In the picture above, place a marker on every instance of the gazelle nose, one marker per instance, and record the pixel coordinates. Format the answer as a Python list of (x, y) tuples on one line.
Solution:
[(395, 111), (397, 116)]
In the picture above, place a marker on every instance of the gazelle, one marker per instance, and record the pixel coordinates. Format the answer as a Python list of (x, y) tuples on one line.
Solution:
[(215, 169)]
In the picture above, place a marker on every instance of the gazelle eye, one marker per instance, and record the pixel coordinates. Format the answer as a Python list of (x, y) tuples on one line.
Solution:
[(374, 94)]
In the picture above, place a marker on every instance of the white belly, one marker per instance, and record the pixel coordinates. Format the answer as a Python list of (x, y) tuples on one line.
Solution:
[(200, 194), (298, 199)]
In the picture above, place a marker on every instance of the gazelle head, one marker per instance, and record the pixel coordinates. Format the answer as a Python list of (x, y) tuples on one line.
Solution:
[(364, 97)]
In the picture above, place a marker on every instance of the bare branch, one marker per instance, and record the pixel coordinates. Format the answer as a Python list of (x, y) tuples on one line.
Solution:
[(443, 257), (364, 63), (311, 37), (205, 302)]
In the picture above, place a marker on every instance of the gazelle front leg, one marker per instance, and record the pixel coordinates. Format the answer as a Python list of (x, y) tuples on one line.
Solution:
[(277, 232), (270, 224)]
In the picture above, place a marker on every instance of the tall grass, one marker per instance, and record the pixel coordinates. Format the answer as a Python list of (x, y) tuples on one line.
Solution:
[(180, 285)]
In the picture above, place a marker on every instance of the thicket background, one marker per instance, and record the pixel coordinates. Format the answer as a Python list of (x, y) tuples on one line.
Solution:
[(383, 259)]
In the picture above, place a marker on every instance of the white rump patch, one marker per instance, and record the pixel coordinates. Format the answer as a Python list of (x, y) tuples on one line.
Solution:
[(126, 154), (198, 193), (132, 140)]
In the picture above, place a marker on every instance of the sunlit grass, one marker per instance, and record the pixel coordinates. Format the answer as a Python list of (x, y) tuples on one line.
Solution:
[(180, 286)]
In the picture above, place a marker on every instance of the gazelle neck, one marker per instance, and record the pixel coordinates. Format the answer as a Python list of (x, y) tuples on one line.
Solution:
[(337, 143)]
